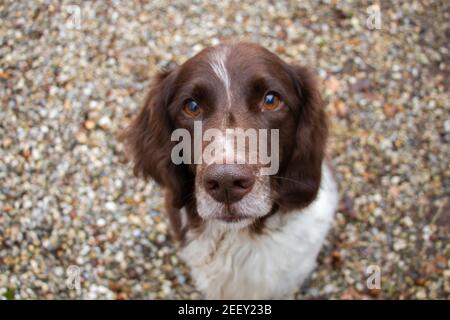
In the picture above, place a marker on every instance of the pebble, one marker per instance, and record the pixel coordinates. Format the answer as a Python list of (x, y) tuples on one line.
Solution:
[(101, 222), (111, 206)]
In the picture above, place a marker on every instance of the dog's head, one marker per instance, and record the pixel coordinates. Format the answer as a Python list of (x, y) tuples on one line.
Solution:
[(224, 87)]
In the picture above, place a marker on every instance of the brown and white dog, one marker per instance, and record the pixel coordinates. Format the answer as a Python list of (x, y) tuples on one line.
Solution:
[(244, 235)]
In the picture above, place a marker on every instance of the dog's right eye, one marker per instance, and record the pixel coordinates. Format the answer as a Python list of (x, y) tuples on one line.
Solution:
[(192, 108)]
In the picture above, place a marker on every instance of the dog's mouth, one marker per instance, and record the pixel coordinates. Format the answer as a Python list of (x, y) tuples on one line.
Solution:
[(230, 214), (232, 218)]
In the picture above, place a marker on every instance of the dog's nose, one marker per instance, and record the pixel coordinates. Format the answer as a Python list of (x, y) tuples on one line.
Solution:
[(228, 182)]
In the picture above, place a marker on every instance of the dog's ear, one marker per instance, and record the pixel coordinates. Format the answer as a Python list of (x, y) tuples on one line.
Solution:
[(303, 171), (147, 141)]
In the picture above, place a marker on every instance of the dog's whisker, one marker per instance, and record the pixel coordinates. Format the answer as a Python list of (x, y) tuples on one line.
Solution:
[(301, 183)]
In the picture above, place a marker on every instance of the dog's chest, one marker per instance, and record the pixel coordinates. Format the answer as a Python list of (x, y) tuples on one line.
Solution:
[(237, 264)]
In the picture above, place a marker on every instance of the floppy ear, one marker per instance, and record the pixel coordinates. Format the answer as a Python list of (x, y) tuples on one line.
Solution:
[(303, 171), (147, 141)]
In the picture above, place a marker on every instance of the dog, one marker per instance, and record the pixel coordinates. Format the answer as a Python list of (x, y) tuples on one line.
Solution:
[(243, 234)]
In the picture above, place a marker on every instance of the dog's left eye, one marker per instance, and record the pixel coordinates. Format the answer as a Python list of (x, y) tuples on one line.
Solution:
[(271, 102)]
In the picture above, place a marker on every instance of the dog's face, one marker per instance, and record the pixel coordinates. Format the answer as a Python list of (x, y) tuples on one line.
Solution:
[(241, 86)]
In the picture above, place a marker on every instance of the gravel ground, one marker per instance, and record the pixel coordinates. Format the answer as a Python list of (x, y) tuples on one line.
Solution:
[(68, 85)]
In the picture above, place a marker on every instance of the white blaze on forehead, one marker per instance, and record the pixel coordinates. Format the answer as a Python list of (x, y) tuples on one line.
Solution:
[(217, 62)]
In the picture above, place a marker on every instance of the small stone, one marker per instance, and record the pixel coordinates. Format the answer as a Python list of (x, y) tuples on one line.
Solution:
[(407, 222), (119, 256), (104, 122), (421, 294), (340, 108), (81, 137), (447, 125), (101, 222), (160, 238), (111, 206), (421, 282), (399, 245), (389, 110), (89, 124)]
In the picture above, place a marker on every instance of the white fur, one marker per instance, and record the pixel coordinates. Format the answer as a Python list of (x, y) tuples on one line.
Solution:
[(217, 62), (233, 263)]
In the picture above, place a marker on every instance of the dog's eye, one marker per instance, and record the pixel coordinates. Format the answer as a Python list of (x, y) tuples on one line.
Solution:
[(192, 108), (271, 102)]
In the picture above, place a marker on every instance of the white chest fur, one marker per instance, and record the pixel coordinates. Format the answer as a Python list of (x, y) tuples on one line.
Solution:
[(237, 264)]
